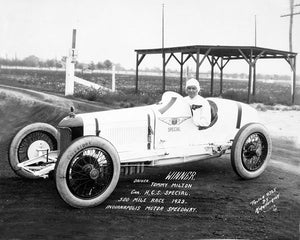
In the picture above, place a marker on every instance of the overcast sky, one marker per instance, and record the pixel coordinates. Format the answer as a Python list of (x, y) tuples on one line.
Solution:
[(113, 29)]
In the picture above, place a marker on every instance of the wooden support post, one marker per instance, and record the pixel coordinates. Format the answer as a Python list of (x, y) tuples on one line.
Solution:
[(164, 73), (181, 73), (294, 80), (221, 67), (138, 62), (250, 79), (137, 74), (253, 63), (221, 77), (250, 62), (197, 65), (249, 83), (254, 80), (212, 75), (292, 62)]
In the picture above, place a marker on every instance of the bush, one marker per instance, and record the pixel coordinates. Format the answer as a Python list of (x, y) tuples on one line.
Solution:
[(117, 99), (238, 95)]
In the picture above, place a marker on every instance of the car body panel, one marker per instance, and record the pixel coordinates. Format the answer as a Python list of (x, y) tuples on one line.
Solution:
[(165, 130)]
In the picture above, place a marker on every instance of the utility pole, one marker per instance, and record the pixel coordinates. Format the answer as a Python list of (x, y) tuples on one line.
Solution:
[(255, 31), (292, 61), (291, 15), (163, 48), (163, 27)]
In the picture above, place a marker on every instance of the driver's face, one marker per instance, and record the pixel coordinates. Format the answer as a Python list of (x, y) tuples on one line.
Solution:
[(191, 91)]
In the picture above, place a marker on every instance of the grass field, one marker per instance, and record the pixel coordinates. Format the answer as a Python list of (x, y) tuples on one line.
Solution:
[(150, 87)]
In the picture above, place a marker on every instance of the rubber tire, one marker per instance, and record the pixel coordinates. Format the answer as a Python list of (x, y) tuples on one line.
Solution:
[(64, 161), (236, 151), (16, 141)]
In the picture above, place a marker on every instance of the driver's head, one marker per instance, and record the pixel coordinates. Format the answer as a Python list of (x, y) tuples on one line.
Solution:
[(192, 87)]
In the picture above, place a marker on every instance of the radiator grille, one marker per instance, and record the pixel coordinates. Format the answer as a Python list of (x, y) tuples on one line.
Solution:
[(65, 138)]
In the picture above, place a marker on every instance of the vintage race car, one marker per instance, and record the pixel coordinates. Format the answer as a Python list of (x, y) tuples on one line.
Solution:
[(89, 151)]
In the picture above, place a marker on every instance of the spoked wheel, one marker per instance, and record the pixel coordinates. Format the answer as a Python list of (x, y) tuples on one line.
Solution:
[(30, 142), (254, 151), (90, 173), (33, 143), (87, 172), (251, 151)]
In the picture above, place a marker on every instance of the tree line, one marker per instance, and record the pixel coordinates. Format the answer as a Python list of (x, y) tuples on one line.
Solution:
[(34, 61)]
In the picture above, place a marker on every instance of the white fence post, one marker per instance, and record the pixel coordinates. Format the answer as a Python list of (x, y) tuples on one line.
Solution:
[(70, 68), (113, 80)]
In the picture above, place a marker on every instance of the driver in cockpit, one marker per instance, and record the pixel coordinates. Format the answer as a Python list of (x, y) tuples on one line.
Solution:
[(199, 106)]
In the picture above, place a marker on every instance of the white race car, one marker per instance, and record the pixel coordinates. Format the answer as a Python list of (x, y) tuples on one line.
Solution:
[(90, 151)]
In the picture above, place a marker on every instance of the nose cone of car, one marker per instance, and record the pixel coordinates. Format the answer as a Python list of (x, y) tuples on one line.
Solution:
[(71, 121)]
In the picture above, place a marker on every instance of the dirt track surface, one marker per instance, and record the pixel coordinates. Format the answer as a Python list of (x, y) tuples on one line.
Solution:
[(219, 204)]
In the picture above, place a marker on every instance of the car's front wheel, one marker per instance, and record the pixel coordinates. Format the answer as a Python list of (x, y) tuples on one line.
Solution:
[(251, 151), (28, 143), (87, 172)]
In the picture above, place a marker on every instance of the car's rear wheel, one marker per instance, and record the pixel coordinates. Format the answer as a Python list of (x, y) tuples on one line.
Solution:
[(87, 172), (27, 144), (251, 151)]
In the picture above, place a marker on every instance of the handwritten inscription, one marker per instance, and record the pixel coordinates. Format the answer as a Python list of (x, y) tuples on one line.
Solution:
[(157, 200), (154, 208), (123, 207), (135, 192), (139, 199), (152, 200), (185, 176), (154, 184), (266, 202), (124, 199), (140, 180), (170, 196), (165, 192), (181, 185), (173, 185), (181, 209)]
